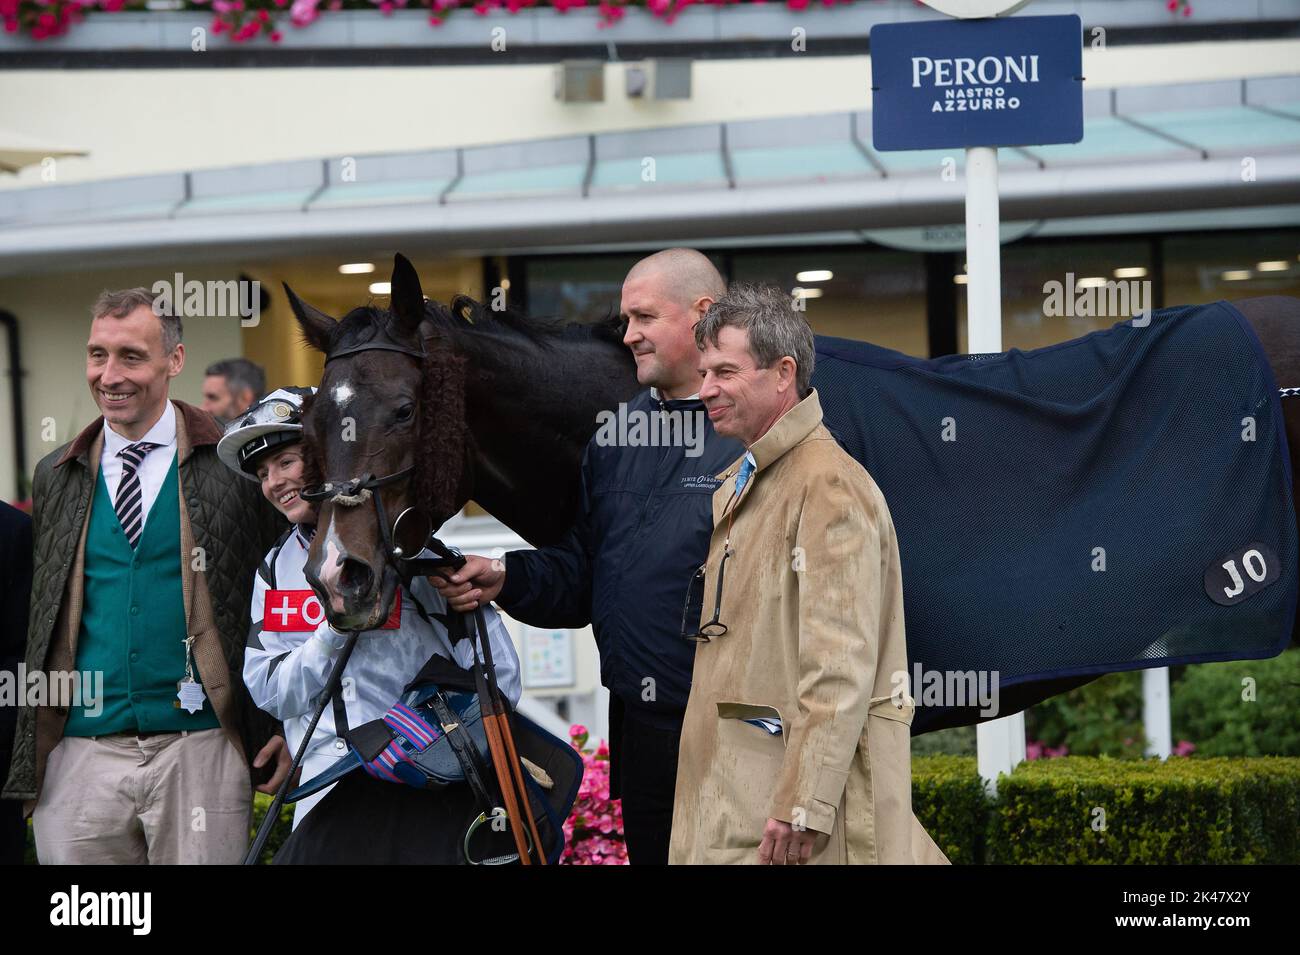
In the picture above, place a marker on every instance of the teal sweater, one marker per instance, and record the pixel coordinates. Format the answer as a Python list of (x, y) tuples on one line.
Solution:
[(133, 624)]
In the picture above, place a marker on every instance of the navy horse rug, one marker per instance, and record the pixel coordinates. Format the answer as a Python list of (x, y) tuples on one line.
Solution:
[(1118, 501)]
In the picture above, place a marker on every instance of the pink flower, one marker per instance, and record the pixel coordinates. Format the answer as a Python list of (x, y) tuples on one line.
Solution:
[(594, 830), (1184, 748), (276, 36), (1171, 6), (303, 12)]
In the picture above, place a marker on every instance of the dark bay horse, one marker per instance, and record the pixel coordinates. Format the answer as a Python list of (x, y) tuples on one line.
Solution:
[(498, 410)]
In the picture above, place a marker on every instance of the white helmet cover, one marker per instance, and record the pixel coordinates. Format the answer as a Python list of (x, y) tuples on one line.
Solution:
[(270, 422)]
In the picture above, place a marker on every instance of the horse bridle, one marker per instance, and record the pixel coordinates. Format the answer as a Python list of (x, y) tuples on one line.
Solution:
[(413, 530), (404, 538)]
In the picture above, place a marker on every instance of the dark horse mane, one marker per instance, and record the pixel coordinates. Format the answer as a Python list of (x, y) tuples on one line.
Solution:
[(544, 331), (443, 428)]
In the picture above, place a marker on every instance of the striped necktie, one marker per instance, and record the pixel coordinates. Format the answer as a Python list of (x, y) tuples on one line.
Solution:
[(129, 496)]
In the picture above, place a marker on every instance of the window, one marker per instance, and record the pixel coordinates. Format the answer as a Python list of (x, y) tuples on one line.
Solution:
[(1033, 317), (871, 294), (1231, 265)]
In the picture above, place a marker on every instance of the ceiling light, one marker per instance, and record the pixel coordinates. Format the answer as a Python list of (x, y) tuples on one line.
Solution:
[(807, 293), (1236, 275), (1090, 281), (814, 275), (1133, 272), (959, 280), (1277, 265), (381, 288), (356, 268)]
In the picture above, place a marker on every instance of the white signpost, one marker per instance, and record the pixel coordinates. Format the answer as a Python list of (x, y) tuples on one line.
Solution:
[(1000, 743)]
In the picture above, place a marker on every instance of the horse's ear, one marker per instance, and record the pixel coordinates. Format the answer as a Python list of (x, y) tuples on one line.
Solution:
[(317, 327), (406, 298)]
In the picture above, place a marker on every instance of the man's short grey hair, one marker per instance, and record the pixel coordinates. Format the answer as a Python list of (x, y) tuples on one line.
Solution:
[(775, 328), (240, 373), (688, 275), (122, 303)]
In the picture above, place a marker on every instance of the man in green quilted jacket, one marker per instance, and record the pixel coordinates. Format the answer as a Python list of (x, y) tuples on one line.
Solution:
[(137, 741)]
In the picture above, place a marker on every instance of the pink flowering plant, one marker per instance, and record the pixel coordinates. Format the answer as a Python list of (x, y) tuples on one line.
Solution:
[(1037, 749), (245, 20), (593, 833)]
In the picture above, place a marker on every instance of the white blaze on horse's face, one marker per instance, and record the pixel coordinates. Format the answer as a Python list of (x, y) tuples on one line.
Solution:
[(331, 567), (342, 394)]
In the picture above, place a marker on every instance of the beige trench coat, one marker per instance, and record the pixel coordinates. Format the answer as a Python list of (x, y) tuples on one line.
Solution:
[(813, 601)]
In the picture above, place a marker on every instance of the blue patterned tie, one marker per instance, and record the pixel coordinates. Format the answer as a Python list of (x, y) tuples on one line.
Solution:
[(129, 496), (746, 469)]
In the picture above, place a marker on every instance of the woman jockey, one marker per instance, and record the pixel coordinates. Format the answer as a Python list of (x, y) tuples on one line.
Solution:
[(292, 648)]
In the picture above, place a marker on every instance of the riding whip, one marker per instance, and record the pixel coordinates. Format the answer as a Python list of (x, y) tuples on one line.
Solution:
[(272, 814)]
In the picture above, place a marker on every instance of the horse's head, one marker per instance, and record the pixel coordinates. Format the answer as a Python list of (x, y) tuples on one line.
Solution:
[(390, 415)]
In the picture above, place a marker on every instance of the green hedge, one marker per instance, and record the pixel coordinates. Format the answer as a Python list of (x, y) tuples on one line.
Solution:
[(1181, 811), (948, 799)]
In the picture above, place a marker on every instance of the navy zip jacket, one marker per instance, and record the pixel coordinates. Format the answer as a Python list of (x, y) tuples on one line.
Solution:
[(645, 514)]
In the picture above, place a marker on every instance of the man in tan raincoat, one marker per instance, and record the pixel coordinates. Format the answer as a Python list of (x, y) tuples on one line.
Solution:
[(795, 746)]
